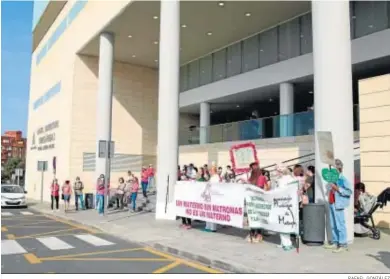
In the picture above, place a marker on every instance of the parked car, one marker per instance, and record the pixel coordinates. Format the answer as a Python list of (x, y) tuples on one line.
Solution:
[(13, 196)]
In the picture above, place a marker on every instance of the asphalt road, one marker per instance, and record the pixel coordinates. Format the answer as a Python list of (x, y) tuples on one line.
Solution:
[(35, 243)]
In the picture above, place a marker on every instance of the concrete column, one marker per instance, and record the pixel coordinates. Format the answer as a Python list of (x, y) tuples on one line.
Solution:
[(104, 98), (286, 102), (333, 90), (168, 109), (204, 132)]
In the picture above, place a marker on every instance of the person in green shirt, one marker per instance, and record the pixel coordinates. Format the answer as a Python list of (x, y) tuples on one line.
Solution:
[(201, 175)]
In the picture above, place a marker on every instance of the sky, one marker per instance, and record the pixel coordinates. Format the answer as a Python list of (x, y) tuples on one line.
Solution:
[(16, 43)]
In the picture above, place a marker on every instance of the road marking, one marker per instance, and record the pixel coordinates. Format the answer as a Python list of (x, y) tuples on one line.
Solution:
[(93, 253), (26, 213), (166, 268), (94, 240), (22, 217), (4, 229), (11, 247), (32, 222), (6, 214), (54, 243), (182, 261), (36, 227), (81, 227), (46, 233), (160, 254), (32, 259), (106, 259)]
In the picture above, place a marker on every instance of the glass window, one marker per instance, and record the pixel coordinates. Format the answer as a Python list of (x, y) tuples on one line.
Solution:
[(206, 69), (370, 17), (184, 78), (289, 40), (41, 54), (234, 59), (352, 18), (306, 34), (75, 10), (193, 74), (219, 65), (250, 54), (57, 33), (269, 47)]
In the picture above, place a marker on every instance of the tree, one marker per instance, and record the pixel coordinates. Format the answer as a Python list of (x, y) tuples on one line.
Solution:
[(10, 166)]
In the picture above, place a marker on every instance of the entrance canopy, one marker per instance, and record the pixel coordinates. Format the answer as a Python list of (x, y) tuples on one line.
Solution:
[(205, 27)]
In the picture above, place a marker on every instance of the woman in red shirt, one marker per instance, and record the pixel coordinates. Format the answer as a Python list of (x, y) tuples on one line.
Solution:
[(54, 193), (145, 174)]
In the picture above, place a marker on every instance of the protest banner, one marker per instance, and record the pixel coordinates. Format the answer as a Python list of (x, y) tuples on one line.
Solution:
[(276, 210), (220, 203)]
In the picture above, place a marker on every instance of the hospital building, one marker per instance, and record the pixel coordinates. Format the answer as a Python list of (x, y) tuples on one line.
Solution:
[(178, 82)]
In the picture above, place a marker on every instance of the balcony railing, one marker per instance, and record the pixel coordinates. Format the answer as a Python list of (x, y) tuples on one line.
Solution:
[(297, 124)]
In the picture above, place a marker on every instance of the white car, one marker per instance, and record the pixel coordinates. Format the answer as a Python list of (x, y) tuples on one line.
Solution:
[(13, 196)]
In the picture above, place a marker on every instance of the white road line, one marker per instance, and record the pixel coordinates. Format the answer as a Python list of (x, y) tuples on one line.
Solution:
[(11, 247), (26, 213), (6, 214), (54, 243), (94, 240)]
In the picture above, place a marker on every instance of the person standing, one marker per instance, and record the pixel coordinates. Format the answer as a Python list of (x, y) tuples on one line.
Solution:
[(215, 178), (78, 193), (151, 173), (120, 192), (134, 192), (145, 178), (100, 194), (339, 195), (55, 194), (285, 178), (309, 183), (229, 174), (257, 179), (191, 172), (67, 192)]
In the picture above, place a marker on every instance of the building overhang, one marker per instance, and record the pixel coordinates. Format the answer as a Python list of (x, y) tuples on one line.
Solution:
[(46, 20), (205, 27)]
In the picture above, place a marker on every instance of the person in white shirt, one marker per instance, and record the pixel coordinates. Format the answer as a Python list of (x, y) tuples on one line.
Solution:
[(129, 177), (215, 178), (285, 177), (191, 172)]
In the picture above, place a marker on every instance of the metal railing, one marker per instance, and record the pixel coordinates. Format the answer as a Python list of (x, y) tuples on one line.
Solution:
[(307, 158), (297, 124)]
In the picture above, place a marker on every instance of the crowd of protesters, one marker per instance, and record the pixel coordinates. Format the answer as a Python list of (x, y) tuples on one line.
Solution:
[(338, 193), (125, 194)]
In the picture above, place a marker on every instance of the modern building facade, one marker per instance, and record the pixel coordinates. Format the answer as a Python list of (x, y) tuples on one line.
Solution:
[(168, 81)]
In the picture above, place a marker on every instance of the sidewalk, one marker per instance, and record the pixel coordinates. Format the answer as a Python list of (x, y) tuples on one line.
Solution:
[(227, 249)]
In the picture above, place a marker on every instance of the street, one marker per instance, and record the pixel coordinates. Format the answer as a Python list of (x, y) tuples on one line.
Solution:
[(32, 242)]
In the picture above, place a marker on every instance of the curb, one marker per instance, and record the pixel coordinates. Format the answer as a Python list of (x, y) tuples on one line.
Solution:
[(212, 263)]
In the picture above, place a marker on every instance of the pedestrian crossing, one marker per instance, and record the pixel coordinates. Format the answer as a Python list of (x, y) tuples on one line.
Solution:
[(9, 214), (52, 243)]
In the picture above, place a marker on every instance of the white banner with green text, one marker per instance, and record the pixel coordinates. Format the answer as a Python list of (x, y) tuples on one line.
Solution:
[(276, 210)]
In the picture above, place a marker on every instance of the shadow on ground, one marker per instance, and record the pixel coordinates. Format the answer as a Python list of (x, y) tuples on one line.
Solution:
[(383, 257)]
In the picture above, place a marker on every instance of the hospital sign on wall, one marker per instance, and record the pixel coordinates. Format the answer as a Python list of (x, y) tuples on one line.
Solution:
[(44, 137)]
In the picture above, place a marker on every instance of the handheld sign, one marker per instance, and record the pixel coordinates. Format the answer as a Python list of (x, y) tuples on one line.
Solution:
[(242, 155), (325, 146), (330, 175)]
